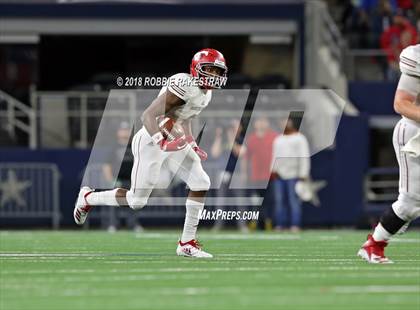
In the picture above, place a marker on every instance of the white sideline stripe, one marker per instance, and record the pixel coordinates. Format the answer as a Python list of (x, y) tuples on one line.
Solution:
[(158, 270), (349, 261), (408, 240), (89, 254), (227, 256), (254, 237), (376, 289), (251, 236), (231, 236), (314, 257), (171, 274), (88, 273), (107, 278), (55, 255)]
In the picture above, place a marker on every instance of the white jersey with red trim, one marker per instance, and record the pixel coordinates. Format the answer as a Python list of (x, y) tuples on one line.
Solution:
[(405, 139), (410, 77), (410, 60), (185, 87), (150, 160)]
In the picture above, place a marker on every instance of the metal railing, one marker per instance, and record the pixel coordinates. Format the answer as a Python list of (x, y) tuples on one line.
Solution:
[(331, 37), (381, 188), (324, 50), (81, 114), (13, 110), (365, 64)]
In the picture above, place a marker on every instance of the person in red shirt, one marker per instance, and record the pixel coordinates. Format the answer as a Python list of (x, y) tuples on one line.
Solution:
[(393, 40), (258, 153)]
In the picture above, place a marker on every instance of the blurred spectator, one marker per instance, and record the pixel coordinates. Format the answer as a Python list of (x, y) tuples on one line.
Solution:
[(416, 18), (382, 18), (291, 164), (228, 144), (371, 5), (258, 153), (355, 25), (405, 5), (6, 138), (120, 154), (397, 37)]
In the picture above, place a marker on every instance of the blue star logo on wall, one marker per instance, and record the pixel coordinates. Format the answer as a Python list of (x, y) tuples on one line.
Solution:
[(12, 190)]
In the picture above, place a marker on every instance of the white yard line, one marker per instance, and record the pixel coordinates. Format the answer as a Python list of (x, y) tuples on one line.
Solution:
[(407, 240), (227, 236), (368, 289), (314, 257)]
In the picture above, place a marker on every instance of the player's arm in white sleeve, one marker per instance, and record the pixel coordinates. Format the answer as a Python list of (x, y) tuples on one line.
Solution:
[(180, 85), (409, 84), (404, 104), (187, 127), (162, 105), (305, 161)]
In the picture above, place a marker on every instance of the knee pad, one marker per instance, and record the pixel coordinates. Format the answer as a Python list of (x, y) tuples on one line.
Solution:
[(136, 201), (406, 208), (200, 183)]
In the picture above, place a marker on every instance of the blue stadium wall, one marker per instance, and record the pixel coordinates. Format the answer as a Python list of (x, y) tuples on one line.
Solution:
[(341, 200), (373, 97)]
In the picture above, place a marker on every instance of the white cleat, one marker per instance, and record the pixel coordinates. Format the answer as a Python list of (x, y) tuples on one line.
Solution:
[(81, 209), (191, 249)]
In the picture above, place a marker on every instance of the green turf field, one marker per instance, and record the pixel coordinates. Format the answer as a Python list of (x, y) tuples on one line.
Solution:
[(97, 270)]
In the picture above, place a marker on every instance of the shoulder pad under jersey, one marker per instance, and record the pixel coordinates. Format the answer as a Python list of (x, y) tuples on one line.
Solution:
[(410, 60)]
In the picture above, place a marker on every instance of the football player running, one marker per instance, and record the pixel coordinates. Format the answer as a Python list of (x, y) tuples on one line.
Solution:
[(406, 141), (185, 96)]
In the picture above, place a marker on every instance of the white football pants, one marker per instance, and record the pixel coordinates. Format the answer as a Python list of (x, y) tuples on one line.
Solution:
[(149, 159), (407, 207)]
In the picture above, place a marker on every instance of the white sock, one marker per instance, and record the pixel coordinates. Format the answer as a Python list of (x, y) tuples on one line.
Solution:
[(381, 234), (105, 198), (191, 219)]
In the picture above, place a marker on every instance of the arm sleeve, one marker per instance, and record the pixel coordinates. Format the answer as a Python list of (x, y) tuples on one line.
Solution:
[(305, 160), (410, 84), (179, 85)]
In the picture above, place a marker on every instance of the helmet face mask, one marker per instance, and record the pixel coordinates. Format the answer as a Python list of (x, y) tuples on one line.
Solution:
[(209, 67), (208, 79)]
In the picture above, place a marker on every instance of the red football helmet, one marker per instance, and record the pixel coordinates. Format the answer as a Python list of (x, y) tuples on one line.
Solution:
[(205, 58)]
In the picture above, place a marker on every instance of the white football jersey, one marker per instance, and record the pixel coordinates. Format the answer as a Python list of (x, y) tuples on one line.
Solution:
[(410, 60), (410, 84), (196, 99), (410, 77)]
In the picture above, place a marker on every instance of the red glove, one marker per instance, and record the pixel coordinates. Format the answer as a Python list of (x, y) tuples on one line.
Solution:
[(174, 145), (200, 152), (169, 146)]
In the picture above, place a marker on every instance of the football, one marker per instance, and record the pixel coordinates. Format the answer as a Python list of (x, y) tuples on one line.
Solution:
[(169, 128)]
